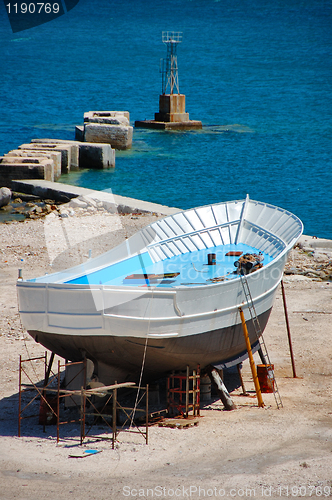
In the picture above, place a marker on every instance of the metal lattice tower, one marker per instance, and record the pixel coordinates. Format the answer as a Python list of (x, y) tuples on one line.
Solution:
[(170, 76)]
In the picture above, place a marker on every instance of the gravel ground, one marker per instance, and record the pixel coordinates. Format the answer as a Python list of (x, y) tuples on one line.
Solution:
[(260, 452)]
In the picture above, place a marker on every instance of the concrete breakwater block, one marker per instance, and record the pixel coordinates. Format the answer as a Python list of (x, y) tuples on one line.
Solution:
[(90, 155), (31, 168), (111, 117), (65, 151), (119, 136), (79, 133), (55, 156), (74, 154), (96, 155), (110, 127), (107, 117)]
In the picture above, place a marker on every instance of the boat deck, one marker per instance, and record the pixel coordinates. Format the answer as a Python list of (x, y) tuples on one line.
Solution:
[(188, 269)]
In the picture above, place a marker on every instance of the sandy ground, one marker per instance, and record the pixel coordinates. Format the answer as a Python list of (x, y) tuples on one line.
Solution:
[(249, 452)]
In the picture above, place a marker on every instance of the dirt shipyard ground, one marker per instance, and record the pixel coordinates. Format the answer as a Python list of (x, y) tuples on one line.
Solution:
[(249, 452)]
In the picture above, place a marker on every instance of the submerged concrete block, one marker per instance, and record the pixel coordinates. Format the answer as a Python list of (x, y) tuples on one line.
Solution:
[(95, 155), (55, 156), (90, 155), (118, 136)]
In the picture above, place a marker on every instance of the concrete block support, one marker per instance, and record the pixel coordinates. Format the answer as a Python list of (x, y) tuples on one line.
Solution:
[(110, 117), (109, 127), (32, 168), (90, 155), (71, 144), (172, 115), (79, 133), (172, 108), (55, 156), (95, 155), (63, 149), (119, 136)]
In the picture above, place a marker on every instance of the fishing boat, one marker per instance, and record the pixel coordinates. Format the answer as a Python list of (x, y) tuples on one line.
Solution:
[(169, 296)]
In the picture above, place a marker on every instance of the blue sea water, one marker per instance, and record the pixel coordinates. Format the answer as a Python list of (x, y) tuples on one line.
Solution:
[(257, 73)]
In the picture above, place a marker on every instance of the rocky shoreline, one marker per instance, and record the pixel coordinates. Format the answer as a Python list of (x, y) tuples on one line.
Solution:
[(310, 261)]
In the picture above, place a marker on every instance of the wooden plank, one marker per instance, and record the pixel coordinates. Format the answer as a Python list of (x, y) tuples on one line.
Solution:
[(179, 423), (151, 276)]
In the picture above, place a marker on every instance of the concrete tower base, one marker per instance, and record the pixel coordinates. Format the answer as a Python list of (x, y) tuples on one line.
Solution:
[(171, 116)]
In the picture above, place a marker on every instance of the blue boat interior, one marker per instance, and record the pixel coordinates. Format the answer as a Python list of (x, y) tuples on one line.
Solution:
[(188, 269)]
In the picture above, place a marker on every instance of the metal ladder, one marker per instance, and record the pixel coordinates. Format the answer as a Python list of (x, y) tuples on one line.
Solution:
[(260, 338)]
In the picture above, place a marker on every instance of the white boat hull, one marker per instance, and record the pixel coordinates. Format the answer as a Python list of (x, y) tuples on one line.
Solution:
[(179, 326)]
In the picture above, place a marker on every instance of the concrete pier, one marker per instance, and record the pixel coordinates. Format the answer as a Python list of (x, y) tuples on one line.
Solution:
[(65, 192)]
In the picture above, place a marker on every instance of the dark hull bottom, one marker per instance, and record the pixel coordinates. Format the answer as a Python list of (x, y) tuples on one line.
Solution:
[(120, 358)]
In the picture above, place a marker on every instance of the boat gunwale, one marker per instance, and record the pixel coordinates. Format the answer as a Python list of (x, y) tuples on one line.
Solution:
[(165, 290), (172, 289)]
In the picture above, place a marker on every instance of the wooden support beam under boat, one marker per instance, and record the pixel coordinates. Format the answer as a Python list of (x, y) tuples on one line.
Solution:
[(49, 368), (219, 385)]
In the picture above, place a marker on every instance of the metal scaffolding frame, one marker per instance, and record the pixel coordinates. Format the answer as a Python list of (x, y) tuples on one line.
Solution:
[(183, 393), (51, 394)]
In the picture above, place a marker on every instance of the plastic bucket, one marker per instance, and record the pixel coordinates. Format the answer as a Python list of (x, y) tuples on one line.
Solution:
[(264, 381)]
